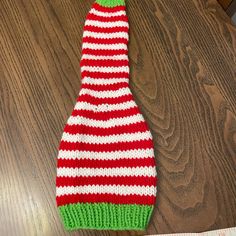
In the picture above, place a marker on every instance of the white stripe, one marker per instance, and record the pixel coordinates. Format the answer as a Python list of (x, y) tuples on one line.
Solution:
[(104, 69), (97, 23), (96, 139), (115, 155), (97, 46), (88, 80), (107, 93), (107, 189), (106, 35), (115, 57), (105, 107), (107, 14), (118, 171), (115, 122)]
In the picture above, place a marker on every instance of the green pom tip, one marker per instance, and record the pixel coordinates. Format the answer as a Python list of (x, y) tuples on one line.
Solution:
[(105, 216), (111, 3)]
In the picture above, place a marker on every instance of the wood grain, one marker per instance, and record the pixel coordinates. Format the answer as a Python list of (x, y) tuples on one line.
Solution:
[(183, 77), (225, 3)]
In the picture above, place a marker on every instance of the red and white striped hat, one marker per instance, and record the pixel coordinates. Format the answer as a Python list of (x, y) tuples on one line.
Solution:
[(106, 175)]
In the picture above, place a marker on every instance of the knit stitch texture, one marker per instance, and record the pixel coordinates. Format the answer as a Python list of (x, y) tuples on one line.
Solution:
[(106, 175)]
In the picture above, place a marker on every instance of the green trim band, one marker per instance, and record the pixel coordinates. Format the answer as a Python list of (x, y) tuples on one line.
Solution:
[(103, 216), (111, 3)]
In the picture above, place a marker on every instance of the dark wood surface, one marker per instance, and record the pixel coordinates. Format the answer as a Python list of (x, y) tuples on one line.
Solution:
[(225, 3), (183, 77)]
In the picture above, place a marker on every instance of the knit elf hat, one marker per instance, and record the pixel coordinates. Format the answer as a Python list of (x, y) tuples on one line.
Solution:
[(106, 175)]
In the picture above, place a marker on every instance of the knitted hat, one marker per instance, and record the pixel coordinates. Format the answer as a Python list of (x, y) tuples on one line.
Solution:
[(106, 175)]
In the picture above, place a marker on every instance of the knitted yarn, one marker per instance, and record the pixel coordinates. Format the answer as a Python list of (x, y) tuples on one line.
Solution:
[(106, 175)]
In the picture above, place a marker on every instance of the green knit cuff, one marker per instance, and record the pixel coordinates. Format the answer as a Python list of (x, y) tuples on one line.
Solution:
[(107, 216), (111, 3)]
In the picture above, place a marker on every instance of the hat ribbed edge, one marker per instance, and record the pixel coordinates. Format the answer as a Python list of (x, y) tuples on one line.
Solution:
[(103, 216)]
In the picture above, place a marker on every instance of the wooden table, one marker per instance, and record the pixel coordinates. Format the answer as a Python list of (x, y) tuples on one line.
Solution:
[(183, 67)]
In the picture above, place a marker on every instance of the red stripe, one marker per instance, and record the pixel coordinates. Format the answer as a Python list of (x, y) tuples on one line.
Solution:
[(112, 198), (104, 52), (108, 9), (106, 63), (121, 146), (105, 87), (115, 29), (124, 162), (104, 41), (83, 129), (106, 180), (107, 114), (92, 16), (102, 75), (96, 101)]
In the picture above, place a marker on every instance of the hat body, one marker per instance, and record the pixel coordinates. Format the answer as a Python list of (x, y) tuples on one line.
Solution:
[(106, 175)]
